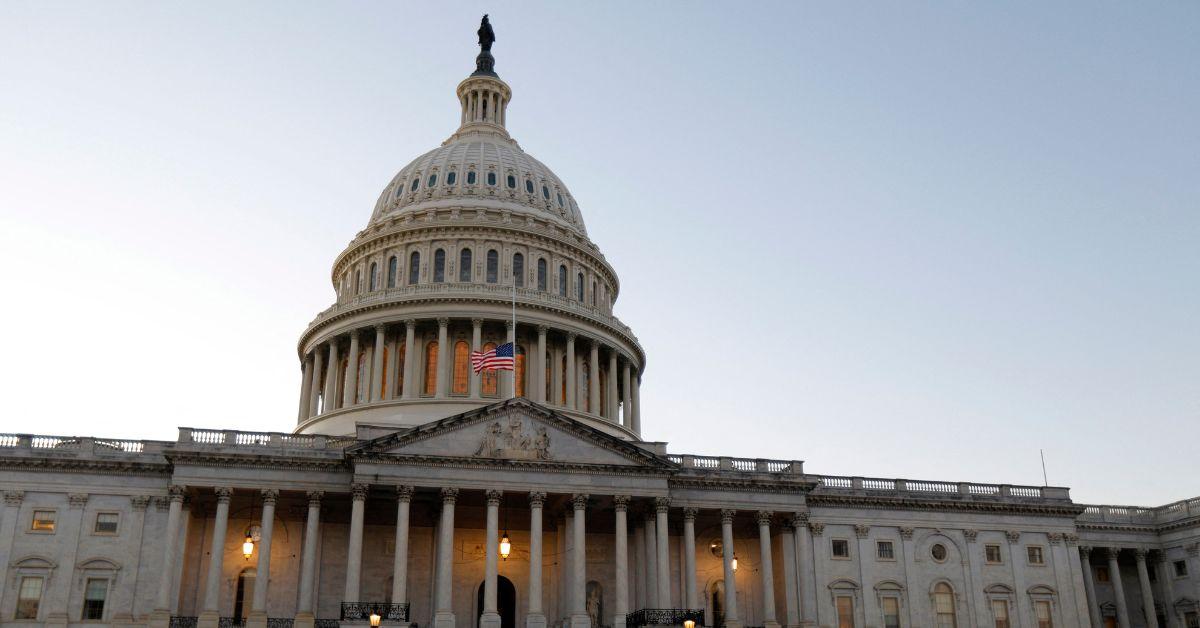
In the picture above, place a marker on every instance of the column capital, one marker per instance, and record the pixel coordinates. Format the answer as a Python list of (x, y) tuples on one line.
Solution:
[(650, 516), (443, 321), (1140, 554), (1013, 536), (689, 514), (537, 499), (816, 527), (14, 498), (580, 501), (77, 500), (476, 322), (543, 329), (410, 323), (175, 492), (621, 503), (333, 342), (380, 328), (799, 520), (508, 324), (662, 504), (314, 497), (404, 493), (1110, 553), (1054, 538), (906, 532), (493, 497), (139, 502), (970, 535), (269, 496), (862, 530), (727, 515), (224, 494), (571, 337), (358, 491), (1086, 551), (1071, 539), (449, 494), (763, 517)]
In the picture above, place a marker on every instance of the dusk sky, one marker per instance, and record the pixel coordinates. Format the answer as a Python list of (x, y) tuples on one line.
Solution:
[(906, 240)]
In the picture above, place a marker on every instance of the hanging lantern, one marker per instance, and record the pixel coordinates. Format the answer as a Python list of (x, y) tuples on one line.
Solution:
[(734, 563), (505, 546), (248, 547), (375, 619)]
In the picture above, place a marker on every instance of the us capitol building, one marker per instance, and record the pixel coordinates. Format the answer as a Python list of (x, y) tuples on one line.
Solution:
[(416, 491)]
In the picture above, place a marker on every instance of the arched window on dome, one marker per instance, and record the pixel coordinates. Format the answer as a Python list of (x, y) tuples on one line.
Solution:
[(464, 265), (528, 186), (432, 181), (415, 182), (541, 274), (562, 281), (493, 266), (358, 282), (579, 287), (489, 380), (943, 606), (393, 266), (431, 368), (414, 268), (374, 277), (518, 269), (400, 352), (545, 192), (462, 357), (519, 373), (451, 177), (439, 266), (491, 178), (560, 203), (470, 177), (593, 294), (512, 182)]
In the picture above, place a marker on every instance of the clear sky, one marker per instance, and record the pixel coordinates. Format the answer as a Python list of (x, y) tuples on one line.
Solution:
[(892, 239)]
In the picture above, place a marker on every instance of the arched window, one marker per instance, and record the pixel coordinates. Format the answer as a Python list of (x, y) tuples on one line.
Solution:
[(439, 266), (493, 266), (520, 372), (491, 178), (414, 268), (560, 203), (431, 367), (374, 275), (519, 270), (415, 183), (451, 177), (528, 186), (470, 177), (579, 287), (490, 383), (943, 606), (358, 282), (400, 349), (545, 192), (462, 357), (464, 265), (562, 281), (361, 380), (512, 182), (541, 277), (393, 266), (593, 294), (432, 181), (343, 368)]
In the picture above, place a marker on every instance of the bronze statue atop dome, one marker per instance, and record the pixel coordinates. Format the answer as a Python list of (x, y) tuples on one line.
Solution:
[(486, 35), (485, 63)]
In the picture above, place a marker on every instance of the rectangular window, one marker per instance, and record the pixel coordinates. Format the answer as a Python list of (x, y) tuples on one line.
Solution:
[(1041, 609), (891, 612), (1000, 613), (845, 611), (1034, 552), (1181, 569), (1192, 620), (106, 523), (1102, 574), (29, 597), (841, 548), (93, 598), (991, 554), (884, 550), (43, 520)]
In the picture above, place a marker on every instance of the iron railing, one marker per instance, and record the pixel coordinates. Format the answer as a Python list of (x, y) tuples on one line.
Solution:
[(181, 621), (663, 617), (326, 623), (362, 611)]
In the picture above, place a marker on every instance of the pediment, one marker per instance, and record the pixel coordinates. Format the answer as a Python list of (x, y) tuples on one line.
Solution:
[(515, 430)]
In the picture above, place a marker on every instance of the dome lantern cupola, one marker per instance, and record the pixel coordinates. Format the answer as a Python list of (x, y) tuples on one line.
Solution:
[(483, 96)]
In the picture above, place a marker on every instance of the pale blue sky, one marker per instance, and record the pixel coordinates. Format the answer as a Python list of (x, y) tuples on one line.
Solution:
[(912, 239)]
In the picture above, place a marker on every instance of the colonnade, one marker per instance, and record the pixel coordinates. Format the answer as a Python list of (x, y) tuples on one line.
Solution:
[(1110, 557), (396, 365)]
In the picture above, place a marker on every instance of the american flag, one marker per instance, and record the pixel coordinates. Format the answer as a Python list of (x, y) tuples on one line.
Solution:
[(498, 359)]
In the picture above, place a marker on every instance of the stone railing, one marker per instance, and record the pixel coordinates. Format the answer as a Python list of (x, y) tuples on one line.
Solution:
[(1174, 511), (77, 444), (263, 440), (726, 463), (525, 296), (838, 484)]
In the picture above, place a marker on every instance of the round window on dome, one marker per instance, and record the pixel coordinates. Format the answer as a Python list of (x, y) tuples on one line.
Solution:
[(491, 179), (451, 177), (528, 186), (512, 182)]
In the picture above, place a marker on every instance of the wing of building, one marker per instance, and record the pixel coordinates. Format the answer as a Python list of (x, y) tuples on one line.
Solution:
[(415, 490)]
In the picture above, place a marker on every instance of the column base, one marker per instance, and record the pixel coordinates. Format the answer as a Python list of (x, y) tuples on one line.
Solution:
[(122, 619), (159, 619), (256, 619), (537, 620), (304, 619), (581, 621), (443, 619), (211, 619), (489, 620), (770, 624), (733, 623)]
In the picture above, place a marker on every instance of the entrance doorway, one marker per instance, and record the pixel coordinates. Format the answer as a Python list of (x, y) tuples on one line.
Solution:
[(506, 602), (244, 593)]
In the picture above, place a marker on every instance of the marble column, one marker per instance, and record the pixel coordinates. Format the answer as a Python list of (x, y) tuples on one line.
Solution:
[(1089, 584), (539, 378), (691, 597), (791, 597), (210, 610), (534, 616), (627, 397), (162, 601), (443, 369), (1147, 591), (443, 596), (358, 501), (640, 599), (594, 377), (731, 611), (476, 345), (569, 374), (579, 616), (262, 578), (490, 616), (1114, 572), (400, 561), (376, 387), (611, 398), (1165, 577), (305, 387), (767, 568), (805, 569), (350, 392), (314, 396), (663, 550), (410, 360), (9, 526), (621, 547), (392, 365), (305, 617), (651, 559), (331, 376), (637, 408)]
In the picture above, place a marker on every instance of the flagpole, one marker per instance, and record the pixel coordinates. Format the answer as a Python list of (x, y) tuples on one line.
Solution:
[(514, 337)]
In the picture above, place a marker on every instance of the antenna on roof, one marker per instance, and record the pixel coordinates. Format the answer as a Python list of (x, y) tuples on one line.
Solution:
[(1045, 482)]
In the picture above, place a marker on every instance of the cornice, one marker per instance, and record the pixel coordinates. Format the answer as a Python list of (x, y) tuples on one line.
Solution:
[(440, 462), (288, 461), (731, 482), (908, 503), (86, 465)]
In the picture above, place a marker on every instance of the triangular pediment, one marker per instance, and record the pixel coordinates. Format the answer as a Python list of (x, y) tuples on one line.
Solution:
[(515, 430)]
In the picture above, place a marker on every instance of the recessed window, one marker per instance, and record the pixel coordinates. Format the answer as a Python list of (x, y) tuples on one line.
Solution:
[(1000, 613), (29, 597), (1102, 574), (545, 192), (491, 178), (991, 553), (432, 181), (512, 182), (885, 550), (528, 186), (840, 548), (1041, 609), (1034, 552), (938, 552), (518, 269), (106, 523), (845, 611), (493, 266), (44, 520), (945, 614), (393, 267), (415, 183), (414, 268), (94, 596), (891, 612), (1180, 568), (541, 274), (560, 203), (464, 265), (439, 266), (471, 177), (374, 282), (562, 281), (451, 177)]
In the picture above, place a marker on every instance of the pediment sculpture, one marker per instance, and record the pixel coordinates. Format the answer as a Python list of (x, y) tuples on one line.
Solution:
[(514, 441)]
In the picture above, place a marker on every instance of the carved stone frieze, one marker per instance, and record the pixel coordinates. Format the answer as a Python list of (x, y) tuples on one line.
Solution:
[(816, 527), (906, 533), (514, 441), (862, 531), (1013, 536), (13, 498)]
